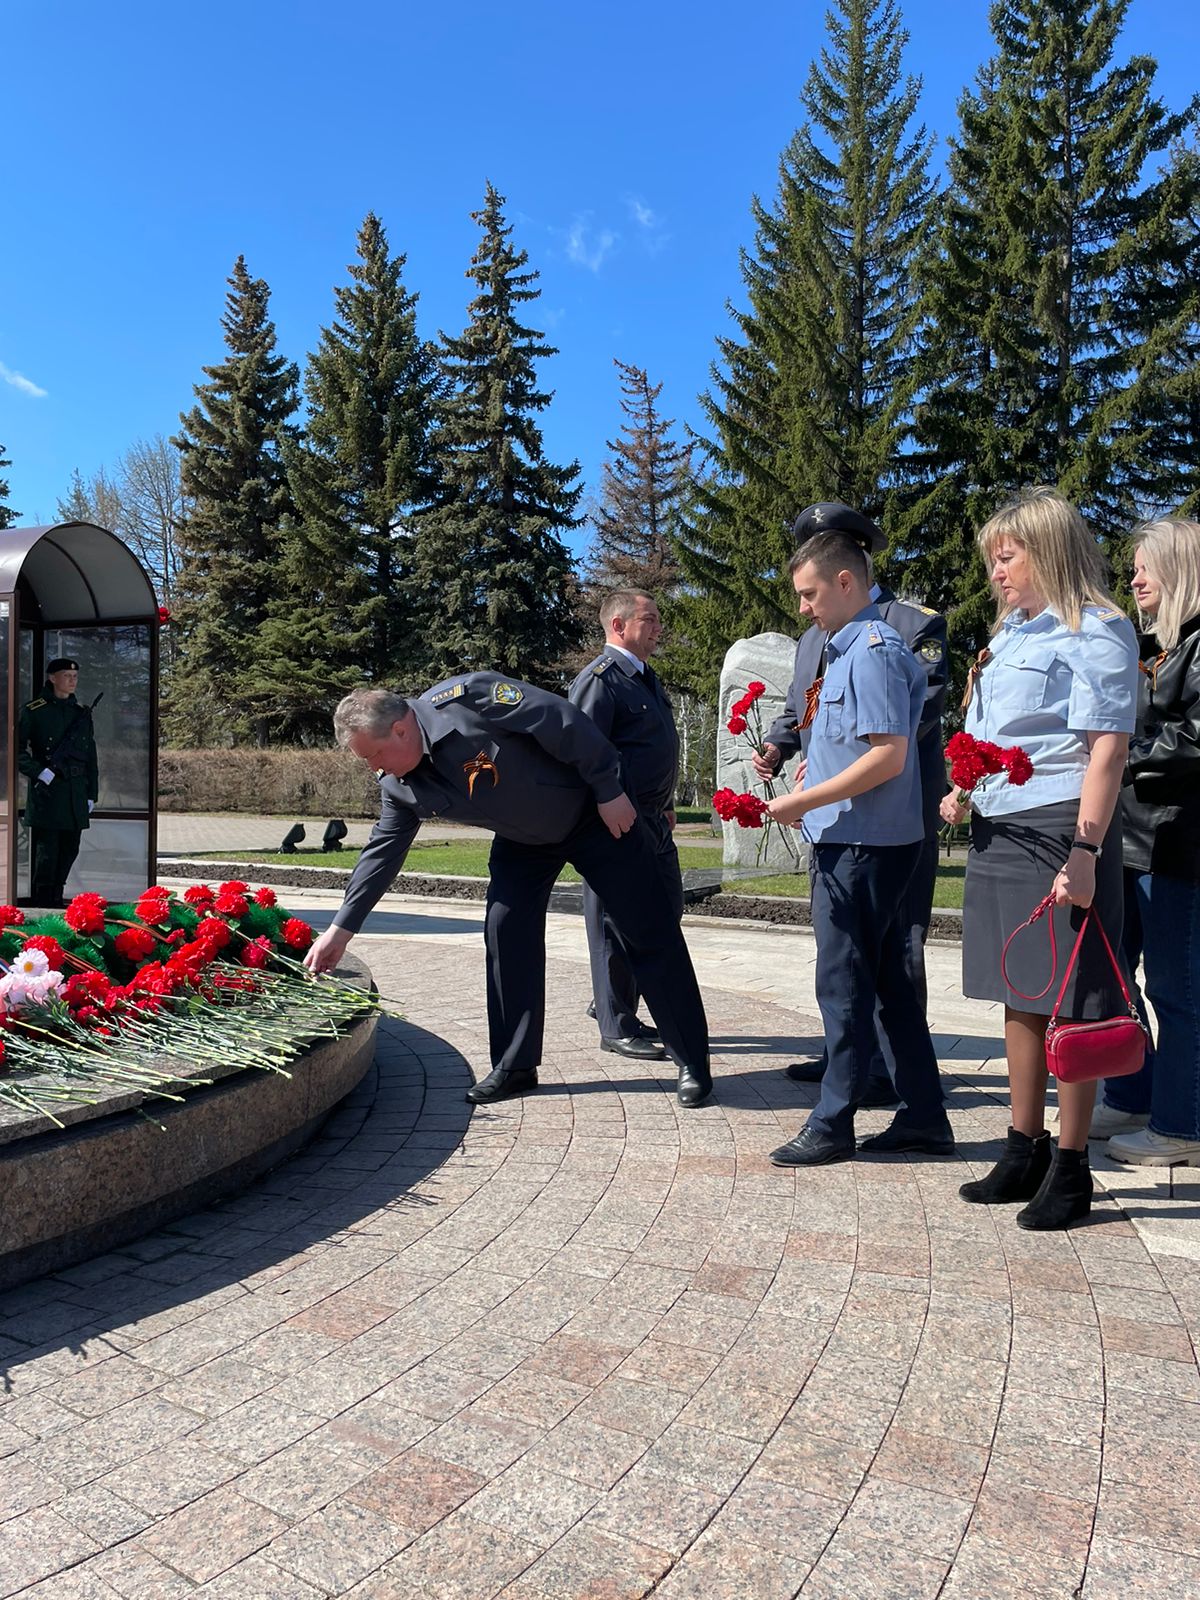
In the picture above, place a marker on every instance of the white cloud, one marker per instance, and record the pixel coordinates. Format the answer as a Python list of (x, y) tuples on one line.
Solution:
[(650, 224), (19, 381), (588, 247)]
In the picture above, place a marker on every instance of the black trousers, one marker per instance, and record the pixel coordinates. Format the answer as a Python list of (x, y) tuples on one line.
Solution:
[(864, 983), (624, 871), (53, 852), (613, 983)]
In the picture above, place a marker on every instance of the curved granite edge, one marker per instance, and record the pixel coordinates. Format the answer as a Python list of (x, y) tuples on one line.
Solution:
[(71, 1194)]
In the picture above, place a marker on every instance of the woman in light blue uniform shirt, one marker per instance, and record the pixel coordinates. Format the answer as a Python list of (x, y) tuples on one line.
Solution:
[(1060, 681)]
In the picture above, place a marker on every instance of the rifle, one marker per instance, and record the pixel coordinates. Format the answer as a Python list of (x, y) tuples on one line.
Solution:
[(63, 750)]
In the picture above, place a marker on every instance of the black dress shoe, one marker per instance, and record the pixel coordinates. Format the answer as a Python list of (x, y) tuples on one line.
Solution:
[(930, 1138), (811, 1149), (637, 1049), (591, 1010), (645, 1031), (695, 1085), (500, 1085), (811, 1071)]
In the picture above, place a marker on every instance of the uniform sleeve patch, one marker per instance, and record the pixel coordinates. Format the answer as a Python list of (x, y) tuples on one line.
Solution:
[(454, 692), (602, 665), (931, 650), (507, 694), (33, 705)]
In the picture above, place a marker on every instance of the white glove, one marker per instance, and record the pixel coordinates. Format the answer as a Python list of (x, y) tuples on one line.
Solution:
[(46, 775), (91, 807)]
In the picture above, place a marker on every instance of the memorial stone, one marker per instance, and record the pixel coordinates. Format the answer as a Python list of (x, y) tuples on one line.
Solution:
[(767, 658)]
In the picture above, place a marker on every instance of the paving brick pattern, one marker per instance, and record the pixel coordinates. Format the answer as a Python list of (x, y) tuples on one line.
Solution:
[(587, 1346)]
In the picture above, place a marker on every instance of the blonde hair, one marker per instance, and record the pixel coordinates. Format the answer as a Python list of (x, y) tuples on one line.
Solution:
[(1065, 561), (1171, 550)]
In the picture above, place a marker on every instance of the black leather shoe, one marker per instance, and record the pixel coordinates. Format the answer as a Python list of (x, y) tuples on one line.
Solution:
[(806, 1071), (637, 1049), (502, 1086), (591, 1010), (645, 1031), (931, 1139), (811, 1149), (695, 1085)]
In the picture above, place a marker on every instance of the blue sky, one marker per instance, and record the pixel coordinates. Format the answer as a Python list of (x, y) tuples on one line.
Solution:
[(147, 145)]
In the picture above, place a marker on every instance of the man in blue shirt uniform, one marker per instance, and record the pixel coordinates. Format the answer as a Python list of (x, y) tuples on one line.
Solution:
[(860, 801), (621, 693), (537, 771), (924, 631)]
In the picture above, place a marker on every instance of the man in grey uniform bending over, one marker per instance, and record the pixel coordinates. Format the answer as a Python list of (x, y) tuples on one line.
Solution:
[(528, 765)]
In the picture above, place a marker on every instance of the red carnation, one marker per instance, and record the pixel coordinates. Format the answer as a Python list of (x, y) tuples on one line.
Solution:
[(736, 724), (135, 944), (154, 907), (85, 914), (54, 952), (265, 897), (164, 616), (755, 689), (200, 896), (11, 916), (213, 931), (296, 933), (1018, 766), (257, 953), (235, 886), (230, 902)]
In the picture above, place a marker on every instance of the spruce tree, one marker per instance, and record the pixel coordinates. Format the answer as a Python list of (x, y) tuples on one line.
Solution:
[(8, 516), (232, 473), (345, 612), (811, 392), (495, 578), (642, 487), (1039, 297)]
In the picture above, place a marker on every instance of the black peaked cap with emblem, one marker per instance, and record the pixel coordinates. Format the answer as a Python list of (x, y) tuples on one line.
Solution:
[(61, 664), (828, 516)]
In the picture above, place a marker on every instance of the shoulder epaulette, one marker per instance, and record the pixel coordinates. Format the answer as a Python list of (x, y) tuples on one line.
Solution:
[(873, 634), (927, 611), (32, 705), (1108, 613), (454, 692), (602, 665)]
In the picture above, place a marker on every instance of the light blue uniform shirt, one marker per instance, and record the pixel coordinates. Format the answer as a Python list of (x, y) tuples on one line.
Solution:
[(873, 684), (1045, 689)]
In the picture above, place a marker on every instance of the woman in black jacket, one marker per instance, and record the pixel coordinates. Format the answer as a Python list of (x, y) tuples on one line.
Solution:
[(1161, 814)]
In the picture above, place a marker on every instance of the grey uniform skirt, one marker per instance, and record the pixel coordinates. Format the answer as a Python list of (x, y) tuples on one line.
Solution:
[(1011, 865)]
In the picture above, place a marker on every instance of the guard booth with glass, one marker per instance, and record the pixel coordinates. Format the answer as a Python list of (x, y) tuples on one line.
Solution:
[(73, 589)]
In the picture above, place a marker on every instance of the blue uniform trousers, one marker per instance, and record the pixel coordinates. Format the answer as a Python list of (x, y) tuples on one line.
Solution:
[(613, 983), (624, 872), (863, 978)]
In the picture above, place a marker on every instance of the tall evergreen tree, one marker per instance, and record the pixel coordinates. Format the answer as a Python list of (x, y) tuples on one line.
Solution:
[(493, 572), (96, 499), (642, 487), (8, 516), (811, 392), (364, 469), (1038, 295), (232, 443)]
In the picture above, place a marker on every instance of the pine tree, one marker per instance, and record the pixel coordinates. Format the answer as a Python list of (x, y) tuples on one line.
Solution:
[(642, 487), (96, 499), (495, 577), (8, 516), (811, 393), (1039, 296), (232, 472), (364, 469)]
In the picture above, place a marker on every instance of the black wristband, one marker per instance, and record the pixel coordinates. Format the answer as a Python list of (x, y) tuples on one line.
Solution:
[(1082, 844)]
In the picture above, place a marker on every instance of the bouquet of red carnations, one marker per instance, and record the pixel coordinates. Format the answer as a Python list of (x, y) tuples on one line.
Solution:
[(973, 759)]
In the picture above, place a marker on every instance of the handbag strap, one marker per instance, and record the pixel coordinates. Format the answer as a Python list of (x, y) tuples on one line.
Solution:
[(1039, 910)]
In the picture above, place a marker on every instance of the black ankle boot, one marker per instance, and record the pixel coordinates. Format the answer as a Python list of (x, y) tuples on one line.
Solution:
[(1065, 1195), (1017, 1175)]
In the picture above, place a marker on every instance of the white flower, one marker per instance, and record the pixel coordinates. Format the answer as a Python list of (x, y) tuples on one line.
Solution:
[(31, 963)]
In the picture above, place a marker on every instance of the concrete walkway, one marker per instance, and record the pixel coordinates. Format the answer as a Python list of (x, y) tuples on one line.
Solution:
[(587, 1346)]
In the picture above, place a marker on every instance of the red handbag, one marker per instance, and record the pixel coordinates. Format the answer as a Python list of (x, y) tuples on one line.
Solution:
[(1077, 1052)]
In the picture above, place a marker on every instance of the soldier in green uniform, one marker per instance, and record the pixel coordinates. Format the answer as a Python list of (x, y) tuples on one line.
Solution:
[(57, 753)]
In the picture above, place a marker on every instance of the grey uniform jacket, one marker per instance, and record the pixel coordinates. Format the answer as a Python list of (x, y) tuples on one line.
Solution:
[(631, 709), (924, 632), (501, 754)]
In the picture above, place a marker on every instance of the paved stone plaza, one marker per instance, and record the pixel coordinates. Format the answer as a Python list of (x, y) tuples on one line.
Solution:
[(590, 1345)]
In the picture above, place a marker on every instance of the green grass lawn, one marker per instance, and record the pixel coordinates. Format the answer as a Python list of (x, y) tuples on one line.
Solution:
[(469, 860)]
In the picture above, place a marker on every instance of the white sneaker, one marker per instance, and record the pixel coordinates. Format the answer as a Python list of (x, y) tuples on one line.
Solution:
[(1150, 1149), (1107, 1120)]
